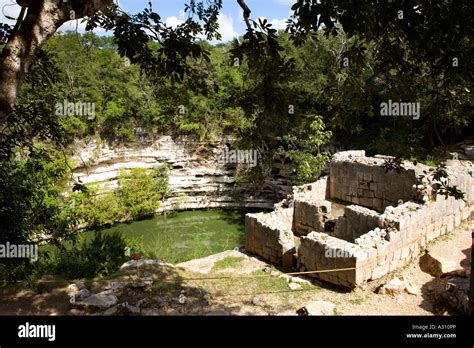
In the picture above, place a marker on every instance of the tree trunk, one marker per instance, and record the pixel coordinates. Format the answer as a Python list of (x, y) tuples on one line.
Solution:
[(42, 20)]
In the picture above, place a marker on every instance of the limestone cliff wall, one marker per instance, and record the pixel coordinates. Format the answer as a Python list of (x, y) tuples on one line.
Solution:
[(196, 178)]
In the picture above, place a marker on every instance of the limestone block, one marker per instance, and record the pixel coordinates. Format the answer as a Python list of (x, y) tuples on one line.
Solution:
[(380, 271)]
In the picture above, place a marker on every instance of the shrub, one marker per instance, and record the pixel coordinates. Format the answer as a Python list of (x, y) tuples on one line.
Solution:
[(140, 193), (87, 258)]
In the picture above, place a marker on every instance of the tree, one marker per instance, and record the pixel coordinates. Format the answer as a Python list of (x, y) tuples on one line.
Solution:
[(37, 22), (426, 42)]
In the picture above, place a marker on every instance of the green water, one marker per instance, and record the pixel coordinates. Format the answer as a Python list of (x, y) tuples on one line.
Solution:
[(187, 235)]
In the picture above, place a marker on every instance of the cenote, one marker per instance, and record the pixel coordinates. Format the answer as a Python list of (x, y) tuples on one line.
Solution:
[(186, 235)]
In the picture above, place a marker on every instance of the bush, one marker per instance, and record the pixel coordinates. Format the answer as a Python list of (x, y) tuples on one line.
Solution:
[(140, 193), (87, 258)]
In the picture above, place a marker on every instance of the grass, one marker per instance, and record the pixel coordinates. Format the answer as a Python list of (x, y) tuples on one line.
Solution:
[(443, 238), (358, 301), (228, 262)]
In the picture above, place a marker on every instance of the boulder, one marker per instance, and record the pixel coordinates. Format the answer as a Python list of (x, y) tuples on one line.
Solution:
[(317, 308), (82, 294), (294, 286), (132, 264), (121, 309), (78, 291), (394, 287), (115, 285), (102, 300), (299, 281), (75, 288), (256, 301)]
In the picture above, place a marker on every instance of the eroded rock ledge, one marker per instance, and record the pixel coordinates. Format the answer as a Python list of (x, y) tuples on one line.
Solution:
[(196, 178)]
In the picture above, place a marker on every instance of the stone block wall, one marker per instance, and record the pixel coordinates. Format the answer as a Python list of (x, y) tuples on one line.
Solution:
[(319, 252), (269, 235), (363, 181), (317, 190), (310, 215), (355, 222), (370, 243), (403, 233)]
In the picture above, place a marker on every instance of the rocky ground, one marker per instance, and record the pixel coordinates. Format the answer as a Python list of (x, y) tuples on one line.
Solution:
[(233, 283)]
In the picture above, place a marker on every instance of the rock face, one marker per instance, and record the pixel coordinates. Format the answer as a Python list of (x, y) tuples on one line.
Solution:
[(197, 179)]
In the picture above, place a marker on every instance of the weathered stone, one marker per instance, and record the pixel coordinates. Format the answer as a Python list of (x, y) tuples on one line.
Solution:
[(394, 287), (132, 310), (101, 300), (73, 288), (317, 308), (412, 289), (114, 285), (111, 311), (82, 294), (75, 311), (132, 264), (363, 244), (299, 280), (294, 286), (142, 283)]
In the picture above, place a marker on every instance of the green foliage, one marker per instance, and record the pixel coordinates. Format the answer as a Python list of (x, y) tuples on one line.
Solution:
[(395, 164), (87, 257), (262, 89), (140, 193), (137, 245), (438, 179), (302, 148)]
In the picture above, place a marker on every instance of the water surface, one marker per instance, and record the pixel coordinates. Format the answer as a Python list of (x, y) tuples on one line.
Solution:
[(187, 235)]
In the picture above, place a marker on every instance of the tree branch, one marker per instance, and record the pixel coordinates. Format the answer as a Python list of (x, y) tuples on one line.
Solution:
[(43, 18)]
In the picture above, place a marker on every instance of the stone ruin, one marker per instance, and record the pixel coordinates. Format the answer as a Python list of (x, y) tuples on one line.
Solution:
[(361, 218)]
